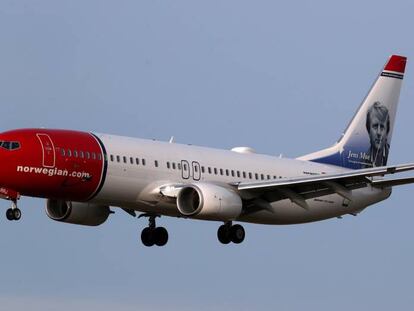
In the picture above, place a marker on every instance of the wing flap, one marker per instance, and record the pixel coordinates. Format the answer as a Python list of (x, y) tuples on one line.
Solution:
[(393, 182), (298, 190), (351, 176)]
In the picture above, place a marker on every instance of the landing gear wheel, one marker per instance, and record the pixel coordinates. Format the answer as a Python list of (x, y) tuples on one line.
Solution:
[(237, 234), (161, 236), (152, 234), (9, 214), (223, 234), (227, 233), (147, 236), (17, 214)]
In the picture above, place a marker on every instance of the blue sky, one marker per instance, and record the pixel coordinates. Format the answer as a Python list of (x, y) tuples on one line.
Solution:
[(281, 77)]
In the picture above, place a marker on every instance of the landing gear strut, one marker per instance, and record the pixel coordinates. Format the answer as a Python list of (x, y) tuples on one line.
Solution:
[(153, 235), (230, 233), (13, 213)]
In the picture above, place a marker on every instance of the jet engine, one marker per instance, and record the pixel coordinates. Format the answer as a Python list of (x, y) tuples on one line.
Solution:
[(208, 201), (86, 214)]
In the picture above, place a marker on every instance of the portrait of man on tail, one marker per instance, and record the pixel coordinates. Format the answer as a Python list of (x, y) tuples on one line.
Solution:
[(378, 127)]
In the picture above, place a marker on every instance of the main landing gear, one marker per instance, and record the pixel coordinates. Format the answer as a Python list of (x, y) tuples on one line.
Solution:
[(153, 235), (13, 213), (230, 233)]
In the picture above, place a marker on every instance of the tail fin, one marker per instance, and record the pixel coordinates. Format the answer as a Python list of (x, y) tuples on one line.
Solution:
[(366, 140)]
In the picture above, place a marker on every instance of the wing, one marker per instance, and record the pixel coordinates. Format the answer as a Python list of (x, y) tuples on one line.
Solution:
[(302, 188)]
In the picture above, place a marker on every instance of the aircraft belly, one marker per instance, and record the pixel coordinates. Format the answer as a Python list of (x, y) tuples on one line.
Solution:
[(134, 191)]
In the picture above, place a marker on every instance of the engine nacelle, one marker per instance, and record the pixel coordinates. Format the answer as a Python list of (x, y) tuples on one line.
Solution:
[(208, 201), (77, 213)]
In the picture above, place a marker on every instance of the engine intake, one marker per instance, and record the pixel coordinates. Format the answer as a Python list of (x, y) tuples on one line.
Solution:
[(86, 214), (208, 201)]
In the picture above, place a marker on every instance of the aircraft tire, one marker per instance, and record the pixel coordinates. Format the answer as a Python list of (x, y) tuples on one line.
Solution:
[(223, 234), (147, 237), (17, 214), (9, 214), (160, 236), (237, 234)]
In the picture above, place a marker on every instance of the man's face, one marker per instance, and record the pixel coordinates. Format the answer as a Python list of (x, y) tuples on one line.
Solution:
[(377, 132)]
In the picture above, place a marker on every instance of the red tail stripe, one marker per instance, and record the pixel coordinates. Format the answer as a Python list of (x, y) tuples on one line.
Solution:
[(396, 63)]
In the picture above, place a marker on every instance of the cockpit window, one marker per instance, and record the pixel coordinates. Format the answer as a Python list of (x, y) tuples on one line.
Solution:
[(10, 145)]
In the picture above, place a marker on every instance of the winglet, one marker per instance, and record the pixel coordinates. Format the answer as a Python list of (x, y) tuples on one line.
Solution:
[(396, 63)]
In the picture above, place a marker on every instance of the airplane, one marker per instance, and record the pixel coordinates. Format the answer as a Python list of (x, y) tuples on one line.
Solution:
[(83, 174)]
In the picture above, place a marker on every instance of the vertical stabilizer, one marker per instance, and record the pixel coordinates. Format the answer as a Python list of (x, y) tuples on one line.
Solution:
[(366, 141)]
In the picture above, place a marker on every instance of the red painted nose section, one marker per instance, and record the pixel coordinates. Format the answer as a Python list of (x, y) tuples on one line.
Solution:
[(52, 163)]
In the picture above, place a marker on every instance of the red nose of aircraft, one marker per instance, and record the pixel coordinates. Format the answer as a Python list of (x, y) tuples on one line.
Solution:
[(51, 163)]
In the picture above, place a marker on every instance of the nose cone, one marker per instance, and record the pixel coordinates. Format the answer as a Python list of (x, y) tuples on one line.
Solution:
[(3, 167), (7, 176), (10, 153)]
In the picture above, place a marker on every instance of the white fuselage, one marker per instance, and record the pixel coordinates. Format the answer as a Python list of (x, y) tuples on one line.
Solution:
[(137, 168)]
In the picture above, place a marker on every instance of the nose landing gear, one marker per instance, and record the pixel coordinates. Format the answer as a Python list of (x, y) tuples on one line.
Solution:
[(13, 213), (153, 235)]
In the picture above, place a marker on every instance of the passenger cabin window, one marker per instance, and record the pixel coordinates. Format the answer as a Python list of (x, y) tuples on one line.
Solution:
[(244, 174), (238, 174), (69, 153), (179, 166), (136, 161), (62, 152), (221, 171), (118, 158), (112, 158), (156, 163), (227, 172), (202, 169), (125, 159), (173, 165), (215, 171), (81, 154), (209, 169), (88, 155), (168, 165), (143, 161), (131, 160)]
